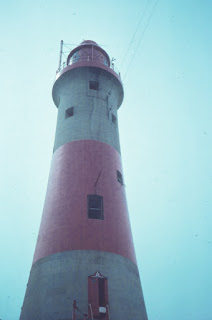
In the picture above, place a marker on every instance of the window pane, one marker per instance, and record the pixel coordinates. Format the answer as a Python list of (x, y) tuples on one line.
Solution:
[(113, 119), (95, 202), (95, 207), (94, 85), (119, 177), (69, 112)]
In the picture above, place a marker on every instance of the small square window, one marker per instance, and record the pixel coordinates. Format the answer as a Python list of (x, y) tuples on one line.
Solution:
[(119, 177), (94, 85), (69, 112), (113, 119), (95, 207)]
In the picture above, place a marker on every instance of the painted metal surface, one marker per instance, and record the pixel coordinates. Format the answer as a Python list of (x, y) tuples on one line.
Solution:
[(98, 296), (65, 224), (93, 64), (88, 51), (58, 279)]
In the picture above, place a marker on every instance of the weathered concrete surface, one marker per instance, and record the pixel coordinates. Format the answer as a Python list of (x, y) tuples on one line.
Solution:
[(71, 246), (65, 224), (56, 280), (93, 109)]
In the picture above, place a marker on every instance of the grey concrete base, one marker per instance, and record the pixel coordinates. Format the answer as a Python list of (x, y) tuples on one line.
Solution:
[(56, 280)]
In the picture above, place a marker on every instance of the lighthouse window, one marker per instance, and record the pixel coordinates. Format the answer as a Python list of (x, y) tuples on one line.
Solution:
[(94, 85), (113, 119), (119, 177), (69, 112), (95, 207), (75, 57)]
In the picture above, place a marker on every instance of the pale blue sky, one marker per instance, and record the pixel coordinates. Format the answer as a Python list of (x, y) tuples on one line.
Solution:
[(165, 133)]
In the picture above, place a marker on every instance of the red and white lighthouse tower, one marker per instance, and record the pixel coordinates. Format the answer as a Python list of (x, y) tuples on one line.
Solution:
[(84, 265)]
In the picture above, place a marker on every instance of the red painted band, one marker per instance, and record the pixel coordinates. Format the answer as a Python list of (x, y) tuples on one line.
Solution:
[(65, 224)]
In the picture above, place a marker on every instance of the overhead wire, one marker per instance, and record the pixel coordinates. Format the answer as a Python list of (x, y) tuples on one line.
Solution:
[(66, 45), (136, 30), (141, 38), (64, 53), (133, 37)]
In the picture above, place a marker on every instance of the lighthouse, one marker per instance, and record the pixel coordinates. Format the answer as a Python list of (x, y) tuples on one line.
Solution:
[(84, 265)]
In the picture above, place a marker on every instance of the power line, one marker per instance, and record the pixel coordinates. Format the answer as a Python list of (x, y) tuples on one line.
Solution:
[(66, 45), (141, 38), (136, 30)]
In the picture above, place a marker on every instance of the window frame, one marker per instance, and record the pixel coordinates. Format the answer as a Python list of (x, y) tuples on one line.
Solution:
[(94, 85), (114, 119), (98, 209), (69, 112), (119, 177)]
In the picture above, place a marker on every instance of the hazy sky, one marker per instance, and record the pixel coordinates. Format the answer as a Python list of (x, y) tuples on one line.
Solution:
[(163, 50)]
